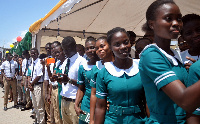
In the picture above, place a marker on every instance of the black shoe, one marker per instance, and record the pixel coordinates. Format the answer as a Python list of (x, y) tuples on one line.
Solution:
[(5, 108), (23, 109), (32, 116), (19, 103), (23, 104), (16, 106)]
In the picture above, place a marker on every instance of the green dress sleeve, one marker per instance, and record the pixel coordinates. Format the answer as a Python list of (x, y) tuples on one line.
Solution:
[(81, 78), (101, 87), (193, 77), (157, 67)]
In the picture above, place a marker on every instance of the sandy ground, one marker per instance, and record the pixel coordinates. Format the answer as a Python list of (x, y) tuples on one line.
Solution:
[(13, 115)]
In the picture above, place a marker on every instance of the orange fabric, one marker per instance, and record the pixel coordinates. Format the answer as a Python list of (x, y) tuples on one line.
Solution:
[(36, 25)]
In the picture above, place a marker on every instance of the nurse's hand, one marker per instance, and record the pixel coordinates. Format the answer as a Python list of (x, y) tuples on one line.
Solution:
[(78, 110), (189, 63)]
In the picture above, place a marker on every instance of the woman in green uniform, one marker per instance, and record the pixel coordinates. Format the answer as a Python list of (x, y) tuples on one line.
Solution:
[(119, 83), (191, 34), (105, 54), (58, 51), (161, 68), (84, 76)]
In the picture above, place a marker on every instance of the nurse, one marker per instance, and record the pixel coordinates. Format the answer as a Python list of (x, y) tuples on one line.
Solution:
[(84, 76), (106, 55), (191, 34), (119, 83), (161, 68)]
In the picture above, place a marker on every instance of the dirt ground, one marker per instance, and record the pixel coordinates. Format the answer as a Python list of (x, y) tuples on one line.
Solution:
[(13, 115)]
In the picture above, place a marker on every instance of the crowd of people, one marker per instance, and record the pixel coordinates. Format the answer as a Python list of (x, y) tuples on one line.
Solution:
[(113, 79)]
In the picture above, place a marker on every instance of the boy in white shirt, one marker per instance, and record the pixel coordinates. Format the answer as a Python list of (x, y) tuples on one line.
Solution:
[(9, 71)]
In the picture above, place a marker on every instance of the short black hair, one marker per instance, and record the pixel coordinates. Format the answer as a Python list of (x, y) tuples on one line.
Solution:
[(90, 38), (35, 49), (56, 42), (151, 12), (25, 52), (59, 46), (190, 17), (42, 56), (8, 54), (140, 39), (48, 44), (68, 40), (111, 32), (131, 33), (16, 55), (102, 38), (21, 57)]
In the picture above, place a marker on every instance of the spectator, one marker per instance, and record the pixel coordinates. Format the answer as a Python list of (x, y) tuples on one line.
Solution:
[(132, 36), (25, 65), (69, 80), (36, 86), (9, 70)]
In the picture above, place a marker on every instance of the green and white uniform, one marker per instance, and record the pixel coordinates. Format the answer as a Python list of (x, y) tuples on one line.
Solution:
[(157, 69), (193, 77), (95, 71), (84, 76), (124, 90)]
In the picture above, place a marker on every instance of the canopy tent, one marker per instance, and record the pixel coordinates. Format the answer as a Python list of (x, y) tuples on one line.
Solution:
[(84, 18)]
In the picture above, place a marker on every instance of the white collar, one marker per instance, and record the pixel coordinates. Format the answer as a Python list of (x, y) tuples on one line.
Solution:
[(169, 57), (73, 58), (177, 55), (29, 60), (35, 60), (87, 67), (113, 70), (10, 61), (99, 65)]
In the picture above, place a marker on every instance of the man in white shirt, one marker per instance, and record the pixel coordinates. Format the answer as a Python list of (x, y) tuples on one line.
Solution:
[(69, 80), (9, 70), (36, 86), (46, 84), (25, 64)]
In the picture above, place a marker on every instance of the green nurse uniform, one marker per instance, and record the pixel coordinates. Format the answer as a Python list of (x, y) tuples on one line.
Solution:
[(95, 71), (58, 70), (124, 90), (157, 69), (193, 77), (84, 76), (28, 73)]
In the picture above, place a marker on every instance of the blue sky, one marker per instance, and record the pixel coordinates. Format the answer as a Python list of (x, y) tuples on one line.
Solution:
[(16, 16)]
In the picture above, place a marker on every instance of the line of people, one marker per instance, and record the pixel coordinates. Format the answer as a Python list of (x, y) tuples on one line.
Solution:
[(106, 85)]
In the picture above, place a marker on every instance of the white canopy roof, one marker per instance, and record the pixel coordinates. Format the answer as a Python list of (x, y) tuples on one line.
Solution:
[(96, 17)]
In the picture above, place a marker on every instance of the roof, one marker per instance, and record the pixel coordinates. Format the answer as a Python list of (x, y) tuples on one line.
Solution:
[(95, 17)]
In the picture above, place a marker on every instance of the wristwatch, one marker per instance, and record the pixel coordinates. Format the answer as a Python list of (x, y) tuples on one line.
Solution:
[(70, 81)]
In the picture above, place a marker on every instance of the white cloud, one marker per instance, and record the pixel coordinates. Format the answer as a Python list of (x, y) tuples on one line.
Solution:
[(14, 40), (8, 43), (22, 34)]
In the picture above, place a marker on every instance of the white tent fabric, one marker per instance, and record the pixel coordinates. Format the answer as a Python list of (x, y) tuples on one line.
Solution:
[(96, 17), (65, 8)]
